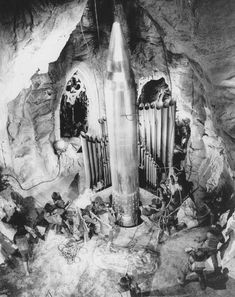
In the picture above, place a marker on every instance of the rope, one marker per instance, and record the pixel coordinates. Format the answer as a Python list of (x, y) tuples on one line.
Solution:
[(181, 203), (69, 249), (48, 294), (130, 243), (164, 217), (42, 182), (131, 247), (97, 24)]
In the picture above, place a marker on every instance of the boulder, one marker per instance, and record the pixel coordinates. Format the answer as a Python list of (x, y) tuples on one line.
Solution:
[(187, 214)]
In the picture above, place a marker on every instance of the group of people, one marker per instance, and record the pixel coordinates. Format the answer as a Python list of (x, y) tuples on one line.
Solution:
[(175, 207), (98, 218), (166, 211), (213, 243), (21, 219), (163, 208), (64, 218), (207, 248)]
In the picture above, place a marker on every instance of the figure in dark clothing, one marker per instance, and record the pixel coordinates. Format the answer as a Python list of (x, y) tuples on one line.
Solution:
[(53, 218), (21, 239), (58, 201), (209, 245), (29, 211), (194, 268), (230, 205), (129, 286), (205, 216), (217, 281), (16, 220)]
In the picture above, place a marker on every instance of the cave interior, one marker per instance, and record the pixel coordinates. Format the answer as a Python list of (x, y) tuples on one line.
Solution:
[(117, 154)]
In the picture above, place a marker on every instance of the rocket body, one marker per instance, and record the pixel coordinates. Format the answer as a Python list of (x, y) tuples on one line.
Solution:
[(122, 116)]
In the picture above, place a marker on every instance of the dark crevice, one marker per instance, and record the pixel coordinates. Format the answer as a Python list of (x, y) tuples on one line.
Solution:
[(154, 89)]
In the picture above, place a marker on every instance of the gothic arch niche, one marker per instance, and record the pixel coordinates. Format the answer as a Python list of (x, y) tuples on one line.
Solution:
[(163, 137), (155, 90), (73, 108)]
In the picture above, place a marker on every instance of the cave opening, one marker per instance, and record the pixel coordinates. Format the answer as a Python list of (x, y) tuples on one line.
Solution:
[(153, 91), (73, 108), (156, 132), (157, 91)]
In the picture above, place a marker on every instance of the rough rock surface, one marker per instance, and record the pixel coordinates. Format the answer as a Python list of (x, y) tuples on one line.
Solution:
[(188, 43), (32, 34), (30, 129)]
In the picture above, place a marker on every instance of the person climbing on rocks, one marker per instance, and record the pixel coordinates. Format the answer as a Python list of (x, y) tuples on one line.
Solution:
[(209, 246), (193, 268)]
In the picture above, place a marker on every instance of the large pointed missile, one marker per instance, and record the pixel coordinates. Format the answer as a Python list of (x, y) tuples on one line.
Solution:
[(121, 109)]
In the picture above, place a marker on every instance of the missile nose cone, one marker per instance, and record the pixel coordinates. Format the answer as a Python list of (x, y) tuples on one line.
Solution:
[(116, 47), (117, 61)]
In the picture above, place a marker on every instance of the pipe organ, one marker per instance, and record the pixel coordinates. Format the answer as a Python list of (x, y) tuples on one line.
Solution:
[(156, 138), (155, 147), (149, 167), (96, 161)]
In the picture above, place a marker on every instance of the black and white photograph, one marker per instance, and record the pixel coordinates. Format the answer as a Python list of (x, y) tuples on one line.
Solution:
[(117, 148)]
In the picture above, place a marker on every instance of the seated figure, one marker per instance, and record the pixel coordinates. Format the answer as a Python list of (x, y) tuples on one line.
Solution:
[(53, 217), (58, 201), (106, 222)]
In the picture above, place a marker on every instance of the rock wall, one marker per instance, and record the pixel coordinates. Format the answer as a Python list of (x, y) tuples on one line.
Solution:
[(30, 127), (192, 44), (188, 43), (32, 34)]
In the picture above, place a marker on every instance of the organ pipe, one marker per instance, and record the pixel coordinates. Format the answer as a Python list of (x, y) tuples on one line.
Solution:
[(86, 159), (91, 159), (164, 135), (159, 131)]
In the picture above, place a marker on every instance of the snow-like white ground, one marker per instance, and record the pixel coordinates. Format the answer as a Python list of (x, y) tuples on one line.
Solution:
[(96, 270)]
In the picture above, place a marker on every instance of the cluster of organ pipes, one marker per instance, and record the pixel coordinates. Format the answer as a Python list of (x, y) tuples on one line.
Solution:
[(150, 167), (155, 147), (96, 161), (156, 137)]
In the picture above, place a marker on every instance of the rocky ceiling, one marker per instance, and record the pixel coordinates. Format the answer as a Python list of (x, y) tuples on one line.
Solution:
[(190, 43)]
